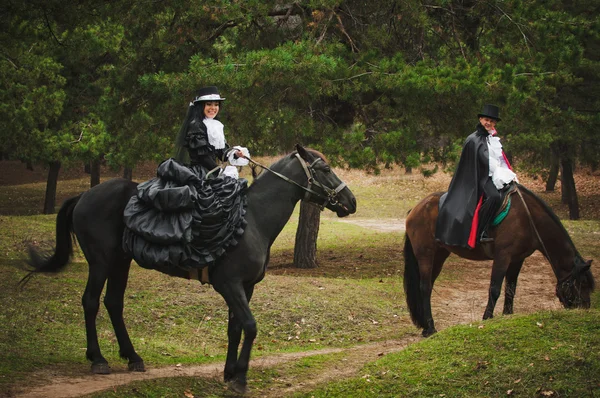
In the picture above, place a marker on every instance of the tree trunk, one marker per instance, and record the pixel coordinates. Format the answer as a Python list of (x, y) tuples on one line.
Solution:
[(128, 173), (305, 250), (95, 173), (554, 167), (569, 191), (50, 197)]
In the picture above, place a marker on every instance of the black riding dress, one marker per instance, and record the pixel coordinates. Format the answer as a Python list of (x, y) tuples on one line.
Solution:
[(184, 218)]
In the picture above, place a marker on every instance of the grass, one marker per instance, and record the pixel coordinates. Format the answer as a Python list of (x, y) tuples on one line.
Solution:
[(544, 354), (175, 321), (552, 354), (354, 297)]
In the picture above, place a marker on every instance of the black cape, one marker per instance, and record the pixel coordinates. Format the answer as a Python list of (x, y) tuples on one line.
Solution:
[(455, 218)]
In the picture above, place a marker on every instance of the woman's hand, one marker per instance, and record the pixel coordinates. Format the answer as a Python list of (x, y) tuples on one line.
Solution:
[(238, 154)]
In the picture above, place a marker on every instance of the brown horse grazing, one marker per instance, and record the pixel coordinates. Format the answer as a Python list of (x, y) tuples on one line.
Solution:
[(524, 230)]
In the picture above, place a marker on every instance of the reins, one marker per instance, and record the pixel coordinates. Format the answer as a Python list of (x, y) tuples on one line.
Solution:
[(537, 234), (308, 170)]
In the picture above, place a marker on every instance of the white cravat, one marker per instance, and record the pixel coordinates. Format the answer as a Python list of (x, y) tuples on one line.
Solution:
[(214, 130), (499, 170)]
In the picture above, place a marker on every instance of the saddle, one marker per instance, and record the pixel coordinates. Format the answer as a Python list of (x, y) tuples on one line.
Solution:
[(502, 212)]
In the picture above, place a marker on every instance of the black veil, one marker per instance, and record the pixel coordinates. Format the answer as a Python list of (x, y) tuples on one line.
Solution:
[(181, 153)]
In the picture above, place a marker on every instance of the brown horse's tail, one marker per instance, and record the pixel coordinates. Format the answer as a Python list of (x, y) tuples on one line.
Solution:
[(412, 285), (55, 262)]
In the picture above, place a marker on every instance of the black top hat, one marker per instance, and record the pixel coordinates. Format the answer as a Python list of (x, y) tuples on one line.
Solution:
[(490, 111), (210, 93)]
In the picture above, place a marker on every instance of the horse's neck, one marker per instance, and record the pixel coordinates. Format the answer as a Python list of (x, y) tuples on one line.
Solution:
[(270, 206), (556, 244)]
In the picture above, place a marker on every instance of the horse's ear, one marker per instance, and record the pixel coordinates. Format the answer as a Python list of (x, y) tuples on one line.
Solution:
[(302, 152), (585, 267)]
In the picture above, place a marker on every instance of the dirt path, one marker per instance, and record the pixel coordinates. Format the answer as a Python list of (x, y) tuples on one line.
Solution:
[(357, 356), (453, 302)]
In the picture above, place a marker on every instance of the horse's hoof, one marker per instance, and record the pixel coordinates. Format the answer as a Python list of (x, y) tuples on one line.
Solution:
[(428, 332), (136, 366), (237, 387), (100, 369)]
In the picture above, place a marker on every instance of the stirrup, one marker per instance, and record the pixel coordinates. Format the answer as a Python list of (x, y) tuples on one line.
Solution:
[(485, 238)]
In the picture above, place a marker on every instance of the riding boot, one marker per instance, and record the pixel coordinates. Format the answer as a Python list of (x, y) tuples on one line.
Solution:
[(488, 210)]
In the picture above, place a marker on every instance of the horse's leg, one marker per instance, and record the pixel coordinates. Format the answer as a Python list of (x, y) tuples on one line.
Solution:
[(113, 301), (428, 277), (240, 318), (234, 336), (498, 272), (438, 262), (510, 286), (91, 303)]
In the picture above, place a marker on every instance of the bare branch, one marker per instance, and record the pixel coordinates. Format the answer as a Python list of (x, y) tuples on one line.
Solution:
[(439, 8), (357, 76), (457, 38), (341, 26), (518, 27), (80, 135), (324, 29), (534, 74), (50, 29), (217, 32)]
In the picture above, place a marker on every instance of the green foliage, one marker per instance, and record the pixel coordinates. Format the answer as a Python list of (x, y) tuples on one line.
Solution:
[(398, 84)]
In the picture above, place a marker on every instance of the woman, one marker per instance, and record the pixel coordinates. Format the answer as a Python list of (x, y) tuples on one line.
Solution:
[(201, 139), (483, 169), (187, 216)]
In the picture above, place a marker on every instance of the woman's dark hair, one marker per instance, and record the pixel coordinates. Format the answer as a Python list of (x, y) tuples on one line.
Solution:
[(181, 154), (195, 111)]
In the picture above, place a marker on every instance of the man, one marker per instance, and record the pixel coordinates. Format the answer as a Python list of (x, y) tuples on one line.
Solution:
[(473, 195)]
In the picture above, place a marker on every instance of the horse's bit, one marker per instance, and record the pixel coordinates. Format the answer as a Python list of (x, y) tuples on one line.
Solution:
[(331, 194)]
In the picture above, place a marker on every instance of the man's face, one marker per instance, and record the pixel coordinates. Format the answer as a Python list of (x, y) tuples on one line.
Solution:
[(211, 108), (488, 123)]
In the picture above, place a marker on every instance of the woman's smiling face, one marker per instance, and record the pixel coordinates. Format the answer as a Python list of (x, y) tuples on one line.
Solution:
[(211, 108), (488, 123)]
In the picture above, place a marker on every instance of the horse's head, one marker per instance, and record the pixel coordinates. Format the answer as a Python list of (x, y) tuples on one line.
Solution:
[(575, 290), (325, 187)]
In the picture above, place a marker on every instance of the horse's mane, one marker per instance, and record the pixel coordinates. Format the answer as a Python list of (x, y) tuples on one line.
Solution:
[(552, 215)]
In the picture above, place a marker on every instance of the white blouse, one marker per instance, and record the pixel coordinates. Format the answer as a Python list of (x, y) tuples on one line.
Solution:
[(214, 130), (499, 170)]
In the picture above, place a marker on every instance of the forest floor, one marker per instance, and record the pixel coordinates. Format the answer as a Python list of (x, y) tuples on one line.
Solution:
[(456, 301)]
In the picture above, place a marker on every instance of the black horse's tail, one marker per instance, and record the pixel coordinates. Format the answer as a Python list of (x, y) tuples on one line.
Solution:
[(55, 262), (412, 285)]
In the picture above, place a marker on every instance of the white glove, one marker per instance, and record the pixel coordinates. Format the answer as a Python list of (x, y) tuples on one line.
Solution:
[(239, 161), (231, 171)]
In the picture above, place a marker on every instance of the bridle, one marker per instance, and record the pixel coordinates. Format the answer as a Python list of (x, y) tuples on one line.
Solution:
[(331, 194), (569, 281)]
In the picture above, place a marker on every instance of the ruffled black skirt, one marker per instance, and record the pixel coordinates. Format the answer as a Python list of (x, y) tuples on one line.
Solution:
[(183, 219)]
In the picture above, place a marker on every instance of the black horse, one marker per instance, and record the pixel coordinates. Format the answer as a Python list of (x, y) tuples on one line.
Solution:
[(96, 220), (529, 226)]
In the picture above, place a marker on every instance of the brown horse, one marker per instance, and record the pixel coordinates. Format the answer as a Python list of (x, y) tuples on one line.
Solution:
[(529, 226)]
